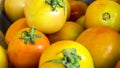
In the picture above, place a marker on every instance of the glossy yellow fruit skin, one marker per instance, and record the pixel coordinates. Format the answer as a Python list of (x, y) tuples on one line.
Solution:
[(3, 58), (103, 13), (14, 9), (51, 53), (40, 15), (70, 31), (118, 1)]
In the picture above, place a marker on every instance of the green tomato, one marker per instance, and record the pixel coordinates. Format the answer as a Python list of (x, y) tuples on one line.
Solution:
[(14, 9), (66, 54), (46, 15), (3, 58)]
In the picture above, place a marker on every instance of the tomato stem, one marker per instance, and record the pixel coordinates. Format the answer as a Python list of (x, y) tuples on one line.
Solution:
[(55, 3), (29, 37), (70, 59)]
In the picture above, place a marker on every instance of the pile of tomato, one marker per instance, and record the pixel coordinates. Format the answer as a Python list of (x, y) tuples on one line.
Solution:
[(61, 34)]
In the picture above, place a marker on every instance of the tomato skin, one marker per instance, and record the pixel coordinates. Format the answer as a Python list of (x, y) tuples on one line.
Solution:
[(103, 13), (26, 55), (14, 28), (40, 15), (78, 9), (14, 9), (51, 53), (3, 58)]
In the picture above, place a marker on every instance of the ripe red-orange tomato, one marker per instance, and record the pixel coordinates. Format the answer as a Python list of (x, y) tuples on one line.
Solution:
[(26, 47)]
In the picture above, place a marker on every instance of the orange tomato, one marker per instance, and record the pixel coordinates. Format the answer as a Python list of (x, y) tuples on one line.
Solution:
[(14, 28), (103, 43), (26, 47), (103, 13)]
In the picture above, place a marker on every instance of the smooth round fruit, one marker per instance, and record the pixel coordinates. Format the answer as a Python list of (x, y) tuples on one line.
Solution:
[(118, 1), (45, 16), (103, 13), (103, 44), (25, 49), (55, 52), (78, 9), (14, 28), (14, 9), (70, 31)]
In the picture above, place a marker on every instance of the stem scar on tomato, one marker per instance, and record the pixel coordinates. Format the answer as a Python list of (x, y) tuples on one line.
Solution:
[(55, 3), (106, 16), (29, 37), (70, 59)]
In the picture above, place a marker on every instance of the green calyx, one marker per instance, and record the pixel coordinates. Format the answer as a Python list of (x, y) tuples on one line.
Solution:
[(29, 37), (55, 3), (70, 59)]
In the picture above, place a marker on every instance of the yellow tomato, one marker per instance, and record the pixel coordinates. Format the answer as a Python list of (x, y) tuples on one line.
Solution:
[(3, 58), (103, 13), (57, 52), (118, 1), (46, 15), (14, 9)]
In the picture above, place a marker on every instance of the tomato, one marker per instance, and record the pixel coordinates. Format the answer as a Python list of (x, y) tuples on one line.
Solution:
[(118, 1), (103, 13), (25, 48), (78, 9), (109, 52), (14, 28), (14, 9), (70, 31), (62, 54), (3, 58), (46, 15)]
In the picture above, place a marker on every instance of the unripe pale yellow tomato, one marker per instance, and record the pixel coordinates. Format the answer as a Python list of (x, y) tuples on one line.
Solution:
[(66, 54), (46, 15)]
